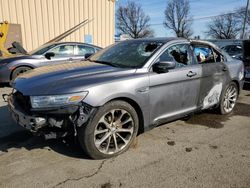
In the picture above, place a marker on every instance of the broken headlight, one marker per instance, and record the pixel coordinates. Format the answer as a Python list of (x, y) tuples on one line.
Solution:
[(56, 100)]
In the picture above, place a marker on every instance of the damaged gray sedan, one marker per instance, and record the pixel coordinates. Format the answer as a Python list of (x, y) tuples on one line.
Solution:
[(125, 89)]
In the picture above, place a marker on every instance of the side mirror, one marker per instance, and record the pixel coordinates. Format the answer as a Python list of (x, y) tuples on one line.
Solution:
[(87, 55), (48, 55), (163, 66)]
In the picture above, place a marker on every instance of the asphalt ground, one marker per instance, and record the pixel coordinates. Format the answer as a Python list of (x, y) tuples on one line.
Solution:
[(208, 150)]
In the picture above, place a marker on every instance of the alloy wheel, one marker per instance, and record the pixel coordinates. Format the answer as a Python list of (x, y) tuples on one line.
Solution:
[(114, 131), (230, 98)]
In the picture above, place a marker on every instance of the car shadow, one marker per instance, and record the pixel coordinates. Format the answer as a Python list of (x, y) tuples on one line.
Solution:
[(13, 136), (212, 119)]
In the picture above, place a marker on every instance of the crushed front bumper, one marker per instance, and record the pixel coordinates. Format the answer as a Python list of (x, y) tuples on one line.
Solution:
[(56, 121), (32, 123)]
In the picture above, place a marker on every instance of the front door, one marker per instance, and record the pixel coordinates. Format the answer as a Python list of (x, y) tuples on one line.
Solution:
[(63, 53), (176, 91)]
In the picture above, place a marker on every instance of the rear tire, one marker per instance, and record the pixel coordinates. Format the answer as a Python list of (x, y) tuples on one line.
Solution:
[(110, 132), (228, 99), (18, 71)]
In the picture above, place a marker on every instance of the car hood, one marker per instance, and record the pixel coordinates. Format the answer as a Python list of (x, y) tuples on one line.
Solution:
[(67, 78), (13, 57)]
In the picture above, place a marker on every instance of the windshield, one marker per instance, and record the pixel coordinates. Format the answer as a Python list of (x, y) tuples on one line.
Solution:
[(42, 49), (131, 54)]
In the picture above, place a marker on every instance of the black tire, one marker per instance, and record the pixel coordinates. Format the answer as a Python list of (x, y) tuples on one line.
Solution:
[(19, 71), (88, 139), (231, 86)]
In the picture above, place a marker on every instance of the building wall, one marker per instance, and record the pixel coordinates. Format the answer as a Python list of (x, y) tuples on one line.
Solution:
[(42, 20)]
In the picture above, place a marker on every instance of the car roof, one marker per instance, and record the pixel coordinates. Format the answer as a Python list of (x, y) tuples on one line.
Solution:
[(75, 43), (159, 39), (169, 39), (203, 42)]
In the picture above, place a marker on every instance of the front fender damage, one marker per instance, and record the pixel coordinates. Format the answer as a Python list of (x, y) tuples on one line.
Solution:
[(58, 127), (82, 116)]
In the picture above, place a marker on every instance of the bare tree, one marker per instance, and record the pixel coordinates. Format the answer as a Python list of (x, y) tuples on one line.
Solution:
[(240, 15), (177, 18), (132, 20), (224, 27)]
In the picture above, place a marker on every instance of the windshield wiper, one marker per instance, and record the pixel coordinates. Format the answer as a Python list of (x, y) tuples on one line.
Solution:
[(104, 62)]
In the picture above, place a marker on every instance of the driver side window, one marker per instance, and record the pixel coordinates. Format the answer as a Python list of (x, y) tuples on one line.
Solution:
[(63, 50), (180, 53), (82, 50)]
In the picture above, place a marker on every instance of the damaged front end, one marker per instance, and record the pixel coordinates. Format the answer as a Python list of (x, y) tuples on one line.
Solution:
[(54, 122)]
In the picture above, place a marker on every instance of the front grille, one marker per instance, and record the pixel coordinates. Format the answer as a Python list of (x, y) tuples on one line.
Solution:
[(22, 101)]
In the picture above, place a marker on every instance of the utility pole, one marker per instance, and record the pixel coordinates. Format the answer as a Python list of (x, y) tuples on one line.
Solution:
[(245, 21)]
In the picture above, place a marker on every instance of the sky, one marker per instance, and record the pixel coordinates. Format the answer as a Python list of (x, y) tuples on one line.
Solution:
[(198, 9)]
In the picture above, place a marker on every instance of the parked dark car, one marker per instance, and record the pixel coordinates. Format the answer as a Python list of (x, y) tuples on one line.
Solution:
[(125, 89), (247, 76), (233, 49), (49, 54), (241, 52)]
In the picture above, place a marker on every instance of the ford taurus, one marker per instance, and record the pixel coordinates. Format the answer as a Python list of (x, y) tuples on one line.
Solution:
[(125, 89)]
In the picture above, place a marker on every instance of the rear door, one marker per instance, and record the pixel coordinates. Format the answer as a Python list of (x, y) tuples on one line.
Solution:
[(214, 75), (175, 92), (82, 50)]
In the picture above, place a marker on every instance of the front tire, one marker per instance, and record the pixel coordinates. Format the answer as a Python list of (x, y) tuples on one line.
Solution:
[(18, 71), (111, 131), (229, 97)]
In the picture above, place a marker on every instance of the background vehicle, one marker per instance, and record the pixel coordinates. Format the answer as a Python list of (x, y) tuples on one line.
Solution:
[(241, 52), (49, 54), (247, 76), (124, 89), (234, 50)]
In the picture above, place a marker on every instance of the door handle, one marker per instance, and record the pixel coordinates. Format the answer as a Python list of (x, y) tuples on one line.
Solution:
[(191, 74)]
